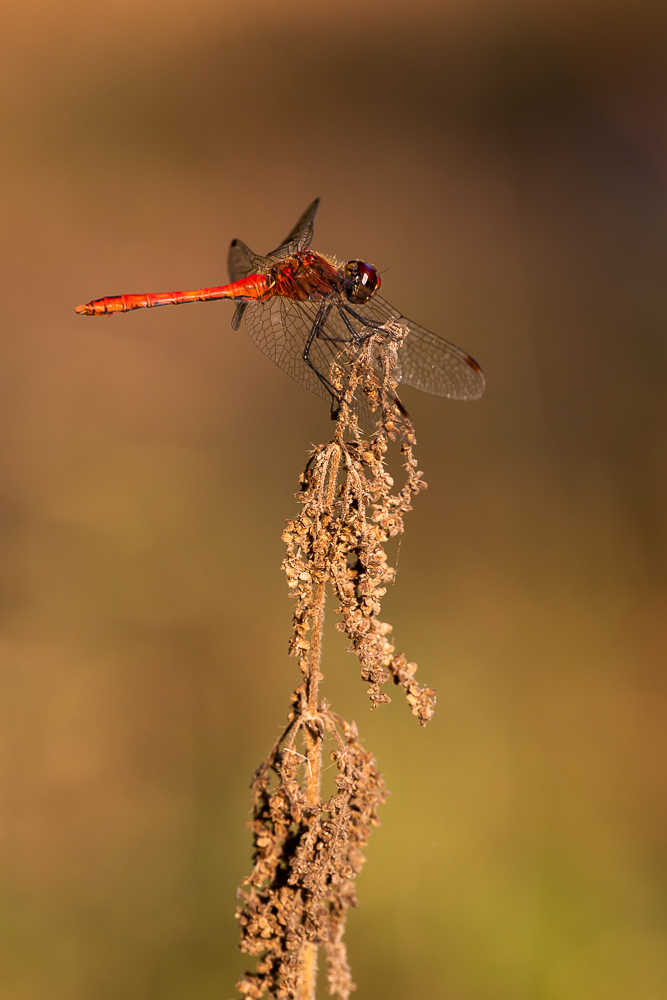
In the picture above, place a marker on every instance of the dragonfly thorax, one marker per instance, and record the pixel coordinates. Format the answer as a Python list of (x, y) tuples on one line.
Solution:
[(361, 281)]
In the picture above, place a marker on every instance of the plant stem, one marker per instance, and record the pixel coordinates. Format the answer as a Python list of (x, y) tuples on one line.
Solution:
[(308, 977), (308, 958), (313, 740), (315, 656)]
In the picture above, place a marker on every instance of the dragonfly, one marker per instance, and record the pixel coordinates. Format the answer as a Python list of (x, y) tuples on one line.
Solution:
[(299, 307)]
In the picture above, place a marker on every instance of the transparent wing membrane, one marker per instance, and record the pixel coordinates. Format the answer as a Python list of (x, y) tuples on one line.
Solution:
[(281, 327), (300, 237), (241, 261), (429, 362)]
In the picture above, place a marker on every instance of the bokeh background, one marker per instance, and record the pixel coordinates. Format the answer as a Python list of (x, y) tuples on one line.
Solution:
[(504, 163)]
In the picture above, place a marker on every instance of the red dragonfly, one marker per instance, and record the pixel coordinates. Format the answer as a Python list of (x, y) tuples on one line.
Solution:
[(300, 306)]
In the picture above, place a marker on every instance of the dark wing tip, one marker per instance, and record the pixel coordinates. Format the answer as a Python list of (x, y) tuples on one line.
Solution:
[(478, 371)]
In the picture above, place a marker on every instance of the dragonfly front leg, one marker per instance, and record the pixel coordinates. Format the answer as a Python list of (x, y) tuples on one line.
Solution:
[(357, 337), (361, 337), (371, 327)]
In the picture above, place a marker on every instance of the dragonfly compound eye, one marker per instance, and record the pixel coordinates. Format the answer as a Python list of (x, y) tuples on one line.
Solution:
[(364, 281)]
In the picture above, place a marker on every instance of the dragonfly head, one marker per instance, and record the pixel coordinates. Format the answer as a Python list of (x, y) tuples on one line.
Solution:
[(362, 281)]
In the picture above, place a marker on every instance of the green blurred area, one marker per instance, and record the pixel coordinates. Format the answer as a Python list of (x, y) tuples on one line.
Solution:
[(504, 166)]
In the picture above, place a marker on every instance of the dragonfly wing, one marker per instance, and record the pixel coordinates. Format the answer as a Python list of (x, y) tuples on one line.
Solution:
[(300, 236), (241, 261), (434, 365), (429, 362), (280, 327), (238, 315)]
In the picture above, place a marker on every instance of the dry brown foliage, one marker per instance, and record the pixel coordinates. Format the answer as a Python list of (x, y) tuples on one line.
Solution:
[(307, 852)]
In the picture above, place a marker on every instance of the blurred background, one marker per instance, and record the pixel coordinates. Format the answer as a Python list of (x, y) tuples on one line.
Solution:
[(504, 164)]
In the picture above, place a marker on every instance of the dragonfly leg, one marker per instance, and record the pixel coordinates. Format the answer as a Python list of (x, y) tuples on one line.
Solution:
[(372, 327), (361, 337), (320, 320), (356, 336)]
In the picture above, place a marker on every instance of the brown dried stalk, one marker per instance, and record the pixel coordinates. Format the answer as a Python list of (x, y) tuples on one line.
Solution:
[(307, 852)]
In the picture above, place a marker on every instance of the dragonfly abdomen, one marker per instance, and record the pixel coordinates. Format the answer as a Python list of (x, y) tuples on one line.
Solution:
[(255, 286)]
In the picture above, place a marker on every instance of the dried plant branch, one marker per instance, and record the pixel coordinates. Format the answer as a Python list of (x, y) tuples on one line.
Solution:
[(308, 852)]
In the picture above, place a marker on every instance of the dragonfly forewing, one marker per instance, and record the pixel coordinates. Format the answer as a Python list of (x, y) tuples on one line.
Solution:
[(429, 362)]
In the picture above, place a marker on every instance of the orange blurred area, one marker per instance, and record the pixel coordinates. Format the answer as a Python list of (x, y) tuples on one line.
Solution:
[(504, 165)]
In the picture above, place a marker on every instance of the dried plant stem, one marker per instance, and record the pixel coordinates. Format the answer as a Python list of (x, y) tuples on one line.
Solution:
[(308, 851), (313, 743), (313, 746), (313, 740), (313, 676), (308, 974)]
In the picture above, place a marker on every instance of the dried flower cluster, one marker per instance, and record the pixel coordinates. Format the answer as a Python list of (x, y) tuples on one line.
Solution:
[(306, 856), (340, 533), (307, 852)]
